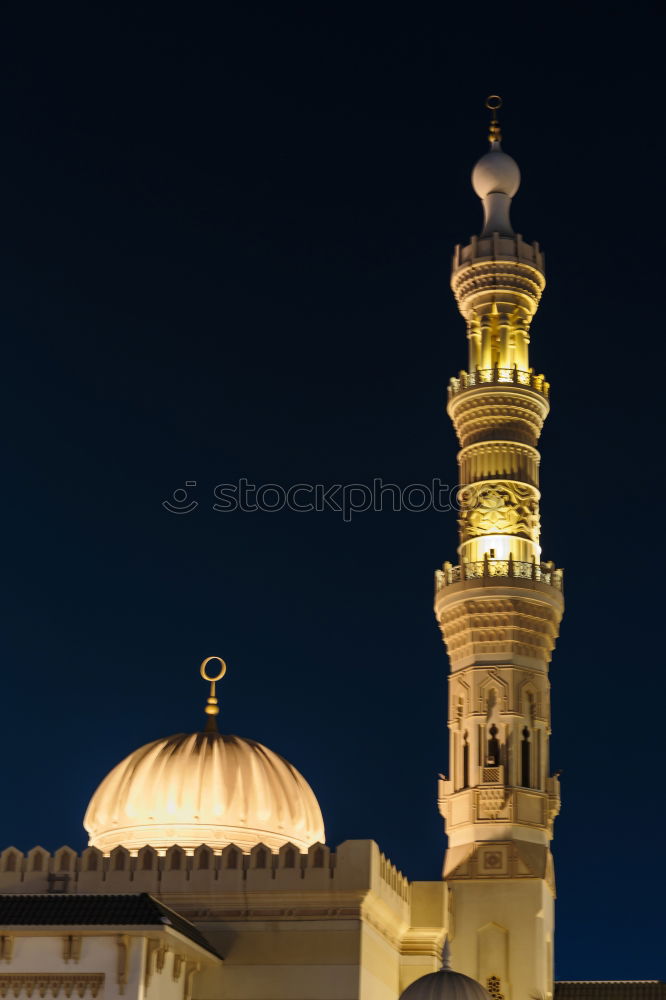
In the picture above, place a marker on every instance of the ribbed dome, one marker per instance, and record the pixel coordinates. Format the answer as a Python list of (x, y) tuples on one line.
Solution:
[(445, 985), (203, 788)]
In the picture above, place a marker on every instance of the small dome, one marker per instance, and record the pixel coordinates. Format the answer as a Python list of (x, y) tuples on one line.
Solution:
[(496, 173), (445, 985), (203, 788)]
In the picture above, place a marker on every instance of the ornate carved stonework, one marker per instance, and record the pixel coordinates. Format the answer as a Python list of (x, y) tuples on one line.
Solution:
[(498, 860), (499, 460), (494, 987), (499, 508), (509, 413), (55, 984), (508, 626), (491, 801), (490, 267)]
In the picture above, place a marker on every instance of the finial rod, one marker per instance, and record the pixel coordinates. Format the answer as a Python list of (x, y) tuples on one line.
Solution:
[(446, 956), (212, 708), (494, 103)]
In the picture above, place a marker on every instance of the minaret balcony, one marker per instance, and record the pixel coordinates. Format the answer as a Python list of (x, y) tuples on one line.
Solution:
[(498, 376), (485, 569)]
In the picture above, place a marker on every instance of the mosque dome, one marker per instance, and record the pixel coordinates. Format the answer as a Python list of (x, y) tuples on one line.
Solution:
[(203, 788), (445, 985)]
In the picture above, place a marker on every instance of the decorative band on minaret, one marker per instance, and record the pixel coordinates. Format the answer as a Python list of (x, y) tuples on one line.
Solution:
[(499, 610)]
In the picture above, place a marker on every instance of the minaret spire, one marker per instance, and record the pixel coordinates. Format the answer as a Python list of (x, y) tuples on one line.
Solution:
[(496, 178), (446, 956), (499, 610)]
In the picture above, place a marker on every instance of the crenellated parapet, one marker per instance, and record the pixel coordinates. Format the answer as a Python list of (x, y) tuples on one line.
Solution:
[(202, 870), (498, 270), (355, 889)]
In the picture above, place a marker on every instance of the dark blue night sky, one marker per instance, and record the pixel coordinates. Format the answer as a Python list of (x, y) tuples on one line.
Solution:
[(225, 238)]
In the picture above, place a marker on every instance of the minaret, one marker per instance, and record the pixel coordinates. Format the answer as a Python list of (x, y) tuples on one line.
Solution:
[(499, 610)]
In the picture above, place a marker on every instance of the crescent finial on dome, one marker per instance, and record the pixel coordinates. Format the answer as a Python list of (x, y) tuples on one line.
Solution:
[(212, 708)]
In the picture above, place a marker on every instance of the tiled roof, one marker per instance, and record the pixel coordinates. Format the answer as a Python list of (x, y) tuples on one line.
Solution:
[(636, 989), (131, 910)]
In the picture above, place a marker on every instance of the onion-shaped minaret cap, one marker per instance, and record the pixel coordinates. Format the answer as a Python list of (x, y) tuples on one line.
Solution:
[(496, 179)]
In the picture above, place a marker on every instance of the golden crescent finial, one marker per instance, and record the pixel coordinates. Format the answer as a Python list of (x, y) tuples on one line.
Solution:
[(212, 708), (223, 669), (494, 103)]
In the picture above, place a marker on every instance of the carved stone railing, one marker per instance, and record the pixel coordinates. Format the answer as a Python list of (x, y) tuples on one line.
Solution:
[(498, 376), (509, 568), (492, 774)]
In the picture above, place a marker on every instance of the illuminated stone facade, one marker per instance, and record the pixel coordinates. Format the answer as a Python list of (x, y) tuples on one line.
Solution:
[(289, 917), (321, 925), (499, 610)]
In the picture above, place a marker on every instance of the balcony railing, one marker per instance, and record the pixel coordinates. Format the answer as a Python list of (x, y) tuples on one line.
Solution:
[(498, 376), (509, 568)]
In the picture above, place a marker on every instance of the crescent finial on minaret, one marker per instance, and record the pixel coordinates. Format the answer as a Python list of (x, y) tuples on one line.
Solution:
[(494, 103), (496, 178)]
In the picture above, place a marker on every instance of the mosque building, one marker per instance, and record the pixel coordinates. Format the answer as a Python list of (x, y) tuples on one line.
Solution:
[(207, 874)]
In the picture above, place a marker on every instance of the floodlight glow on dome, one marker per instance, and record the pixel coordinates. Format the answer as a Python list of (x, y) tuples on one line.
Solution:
[(204, 788)]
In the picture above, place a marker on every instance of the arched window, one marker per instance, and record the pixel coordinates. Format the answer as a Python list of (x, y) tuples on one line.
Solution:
[(493, 758), (318, 858), (290, 858), (91, 863), (261, 858), (465, 760), (525, 759), (232, 859)]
